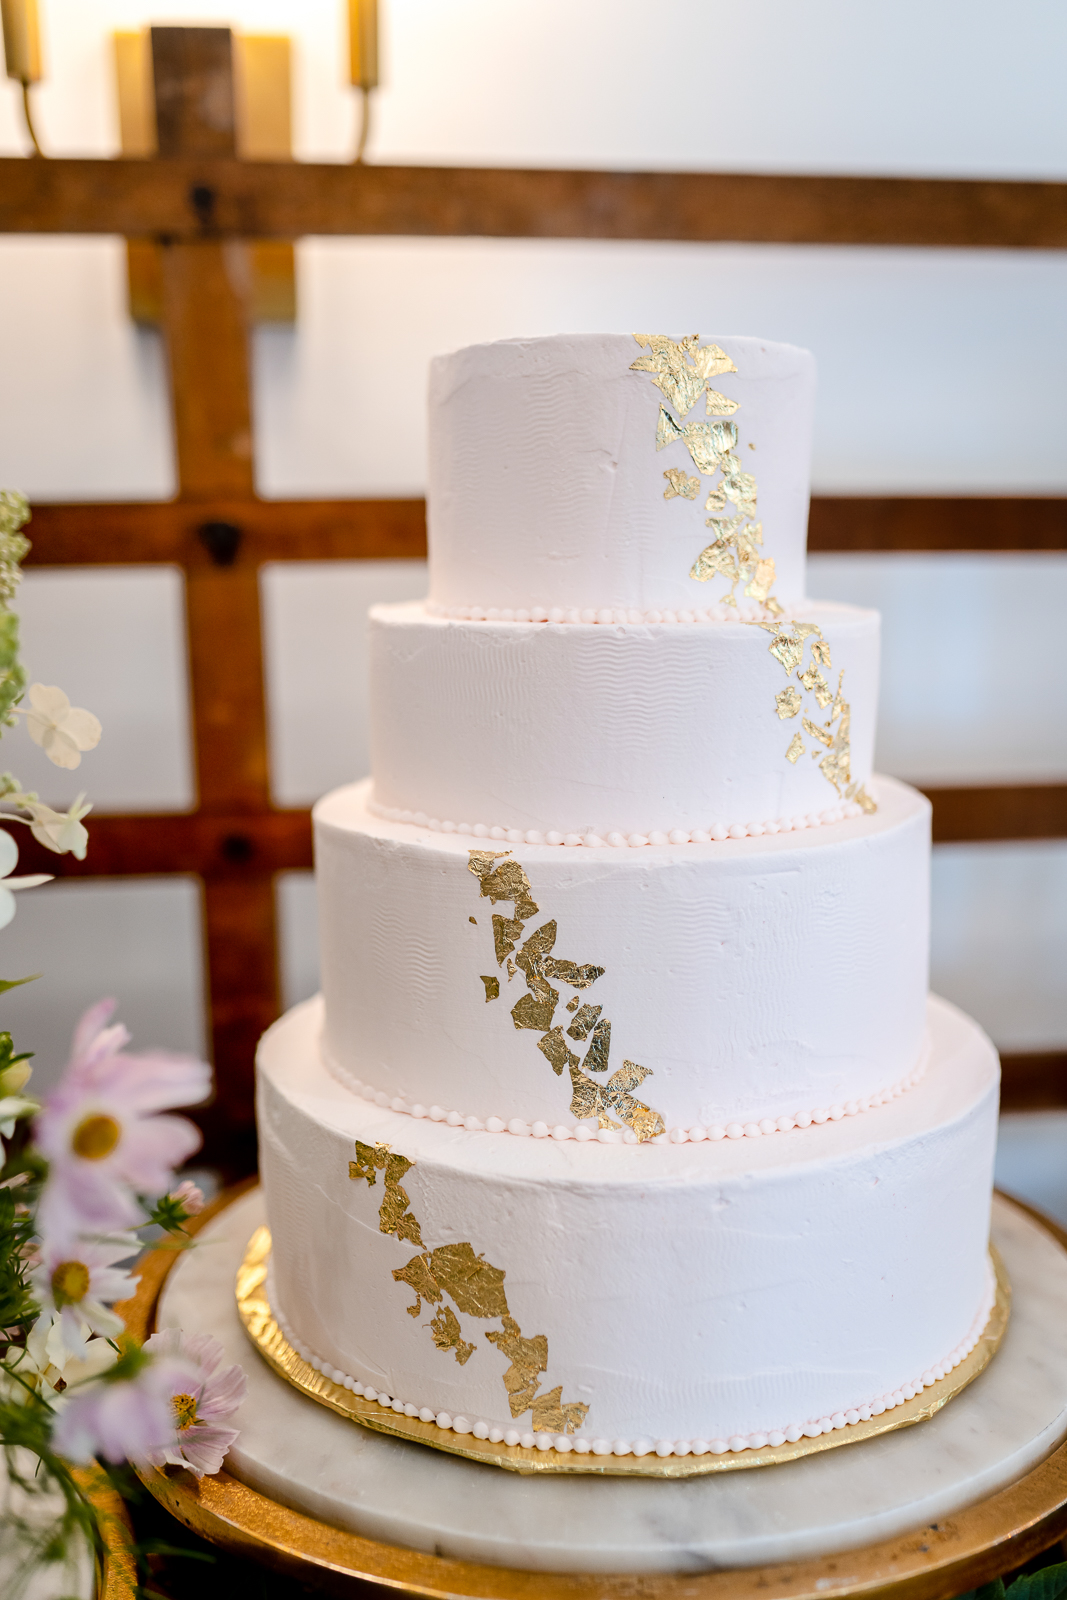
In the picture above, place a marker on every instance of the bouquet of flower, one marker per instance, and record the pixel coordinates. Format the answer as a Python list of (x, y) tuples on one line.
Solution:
[(81, 1172)]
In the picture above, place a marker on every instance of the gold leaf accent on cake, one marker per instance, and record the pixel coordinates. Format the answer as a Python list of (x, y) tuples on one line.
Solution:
[(787, 649), (572, 1005), (820, 652), (718, 405), (823, 735), (863, 800), (614, 1098), (679, 483), (448, 1335), (504, 882), (528, 1357), (813, 680), (492, 988), (393, 1213), (556, 1050), (583, 1023), (536, 1009), (507, 931), (512, 969), (716, 559), (596, 1057), (474, 1285), (474, 920), (796, 749), (762, 580), (550, 1415), (569, 972), (716, 501), (788, 702)]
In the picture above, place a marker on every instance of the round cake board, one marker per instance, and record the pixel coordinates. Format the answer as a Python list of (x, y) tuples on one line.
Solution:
[(305, 1457)]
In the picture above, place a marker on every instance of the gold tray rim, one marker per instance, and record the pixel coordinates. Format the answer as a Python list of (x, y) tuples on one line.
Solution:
[(262, 1329), (930, 1563)]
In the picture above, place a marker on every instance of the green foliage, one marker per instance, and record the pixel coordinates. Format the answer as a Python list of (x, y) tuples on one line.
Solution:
[(1050, 1583), (12, 672), (14, 983)]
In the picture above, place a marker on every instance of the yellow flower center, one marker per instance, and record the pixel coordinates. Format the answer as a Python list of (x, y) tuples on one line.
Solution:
[(70, 1283), (95, 1137), (184, 1411)]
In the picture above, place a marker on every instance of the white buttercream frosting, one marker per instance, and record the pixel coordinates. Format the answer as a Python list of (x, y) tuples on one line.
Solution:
[(597, 729), (546, 487), (712, 1293), (754, 977)]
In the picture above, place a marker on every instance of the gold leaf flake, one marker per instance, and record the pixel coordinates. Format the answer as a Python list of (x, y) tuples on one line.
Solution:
[(421, 1281), (820, 652), (796, 749), (863, 800), (600, 1100), (762, 579), (528, 1357), (530, 1012), (835, 768), (512, 969), (582, 1025), (719, 406), (551, 1415), (679, 483), (768, 627), (393, 1213), (788, 703), (716, 500), (667, 430), (741, 489), (788, 650), (813, 679), (596, 1057), (481, 861), (370, 1160), (448, 1335), (474, 920), (492, 988), (475, 1285), (509, 882), (772, 606), (711, 360), (823, 736), (578, 977), (507, 931), (587, 1099), (555, 1049), (804, 630), (572, 1005), (717, 558)]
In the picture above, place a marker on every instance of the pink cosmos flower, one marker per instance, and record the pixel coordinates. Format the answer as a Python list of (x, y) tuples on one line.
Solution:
[(127, 1419), (101, 1131), (73, 1280), (199, 1407)]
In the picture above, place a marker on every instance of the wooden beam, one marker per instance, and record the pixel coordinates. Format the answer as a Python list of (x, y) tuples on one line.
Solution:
[(936, 522), (969, 815), (193, 197), (233, 847), (395, 530), (265, 530), (1033, 1081)]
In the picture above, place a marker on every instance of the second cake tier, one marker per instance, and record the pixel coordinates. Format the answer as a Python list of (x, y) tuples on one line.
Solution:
[(620, 728), (732, 987)]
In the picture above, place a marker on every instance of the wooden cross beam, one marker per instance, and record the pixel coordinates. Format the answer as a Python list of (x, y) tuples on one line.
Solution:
[(202, 205)]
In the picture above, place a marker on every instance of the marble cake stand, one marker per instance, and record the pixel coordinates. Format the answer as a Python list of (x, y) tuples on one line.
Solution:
[(928, 1511)]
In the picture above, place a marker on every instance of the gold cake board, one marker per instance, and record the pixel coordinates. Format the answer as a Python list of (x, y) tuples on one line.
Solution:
[(258, 1318), (934, 1562)]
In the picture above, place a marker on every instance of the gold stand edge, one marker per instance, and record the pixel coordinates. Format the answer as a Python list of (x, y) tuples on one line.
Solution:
[(931, 1563), (258, 1319)]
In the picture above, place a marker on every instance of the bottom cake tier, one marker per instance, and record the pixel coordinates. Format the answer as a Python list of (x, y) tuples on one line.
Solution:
[(588, 1296)]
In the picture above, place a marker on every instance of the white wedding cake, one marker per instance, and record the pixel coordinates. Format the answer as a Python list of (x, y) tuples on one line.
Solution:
[(624, 1121)]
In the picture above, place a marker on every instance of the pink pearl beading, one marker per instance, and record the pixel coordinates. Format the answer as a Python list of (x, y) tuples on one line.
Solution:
[(643, 1445), (751, 1128), (603, 615), (714, 833)]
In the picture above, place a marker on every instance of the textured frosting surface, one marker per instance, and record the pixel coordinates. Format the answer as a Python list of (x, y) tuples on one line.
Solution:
[(680, 1293), (752, 978), (546, 487), (606, 728)]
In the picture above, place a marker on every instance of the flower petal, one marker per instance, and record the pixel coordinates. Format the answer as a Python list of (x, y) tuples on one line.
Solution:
[(49, 700), (9, 854), (81, 726), (59, 747)]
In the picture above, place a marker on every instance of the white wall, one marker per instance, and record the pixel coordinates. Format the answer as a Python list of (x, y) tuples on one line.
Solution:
[(939, 372)]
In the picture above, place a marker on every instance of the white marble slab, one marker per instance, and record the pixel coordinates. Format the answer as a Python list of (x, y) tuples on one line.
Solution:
[(299, 1453)]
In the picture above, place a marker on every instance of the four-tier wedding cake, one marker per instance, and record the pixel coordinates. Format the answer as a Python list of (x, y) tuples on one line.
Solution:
[(624, 1121)]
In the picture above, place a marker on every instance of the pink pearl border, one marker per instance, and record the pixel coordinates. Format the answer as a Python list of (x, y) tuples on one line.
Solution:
[(583, 1133), (714, 833), (643, 1446), (604, 615)]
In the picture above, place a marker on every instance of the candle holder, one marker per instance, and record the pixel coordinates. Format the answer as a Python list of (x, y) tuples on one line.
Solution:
[(22, 54)]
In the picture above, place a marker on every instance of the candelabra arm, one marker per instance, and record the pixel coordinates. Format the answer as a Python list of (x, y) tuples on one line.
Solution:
[(364, 122), (28, 114)]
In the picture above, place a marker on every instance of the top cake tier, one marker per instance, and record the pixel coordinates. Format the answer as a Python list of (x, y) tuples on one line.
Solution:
[(608, 472)]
